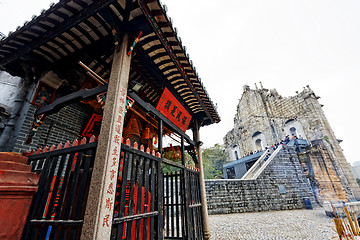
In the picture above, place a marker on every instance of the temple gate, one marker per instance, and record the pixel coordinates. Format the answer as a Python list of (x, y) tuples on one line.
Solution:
[(133, 173)]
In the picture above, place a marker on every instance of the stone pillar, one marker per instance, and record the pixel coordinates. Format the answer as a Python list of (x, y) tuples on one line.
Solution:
[(100, 204), (202, 182)]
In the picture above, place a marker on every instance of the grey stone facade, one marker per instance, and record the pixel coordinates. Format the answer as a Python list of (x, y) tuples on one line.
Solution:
[(264, 118), (264, 193)]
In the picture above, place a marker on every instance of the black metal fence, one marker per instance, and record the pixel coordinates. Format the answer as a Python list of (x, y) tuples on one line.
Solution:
[(183, 218), (156, 205), (193, 193), (182, 205), (148, 203), (174, 205), (58, 207), (138, 202)]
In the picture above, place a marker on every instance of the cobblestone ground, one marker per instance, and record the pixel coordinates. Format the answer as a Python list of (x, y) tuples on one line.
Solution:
[(294, 224)]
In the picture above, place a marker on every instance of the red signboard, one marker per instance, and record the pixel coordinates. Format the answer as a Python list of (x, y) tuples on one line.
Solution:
[(170, 107)]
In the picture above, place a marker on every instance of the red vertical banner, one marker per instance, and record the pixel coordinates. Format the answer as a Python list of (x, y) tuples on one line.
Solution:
[(171, 108)]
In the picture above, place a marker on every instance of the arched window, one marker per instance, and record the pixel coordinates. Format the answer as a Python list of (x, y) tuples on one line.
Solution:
[(235, 149), (236, 155), (258, 144), (293, 131)]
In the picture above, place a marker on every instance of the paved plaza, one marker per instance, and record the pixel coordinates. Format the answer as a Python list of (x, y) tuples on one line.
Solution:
[(279, 225)]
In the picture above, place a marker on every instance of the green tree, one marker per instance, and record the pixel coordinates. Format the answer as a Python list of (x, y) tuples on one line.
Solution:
[(213, 160)]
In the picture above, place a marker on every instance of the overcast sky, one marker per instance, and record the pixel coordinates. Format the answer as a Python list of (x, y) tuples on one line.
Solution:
[(285, 44)]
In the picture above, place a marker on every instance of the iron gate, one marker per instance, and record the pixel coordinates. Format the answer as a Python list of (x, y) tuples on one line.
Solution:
[(182, 205), (156, 206)]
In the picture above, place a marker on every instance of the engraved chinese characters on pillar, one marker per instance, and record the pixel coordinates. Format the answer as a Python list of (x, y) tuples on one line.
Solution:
[(112, 171)]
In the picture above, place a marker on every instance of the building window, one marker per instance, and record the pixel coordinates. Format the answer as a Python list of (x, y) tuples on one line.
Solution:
[(293, 131), (258, 144)]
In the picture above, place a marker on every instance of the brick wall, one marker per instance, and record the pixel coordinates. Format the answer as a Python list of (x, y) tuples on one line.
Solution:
[(65, 125), (262, 194)]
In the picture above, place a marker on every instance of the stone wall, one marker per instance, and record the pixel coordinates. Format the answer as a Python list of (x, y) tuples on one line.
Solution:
[(9, 88), (323, 174), (263, 193)]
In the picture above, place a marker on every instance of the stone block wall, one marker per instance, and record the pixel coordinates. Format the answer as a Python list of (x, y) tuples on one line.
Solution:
[(263, 193)]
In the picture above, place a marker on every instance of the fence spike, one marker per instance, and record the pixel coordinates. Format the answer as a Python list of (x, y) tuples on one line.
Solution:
[(136, 145), (67, 144), (83, 141), (142, 147), (128, 142), (45, 149), (59, 146), (75, 143), (25, 154), (92, 139), (52, 148), (153, 152), (158, 155), (32, 152), (38, 151), (148, 150)]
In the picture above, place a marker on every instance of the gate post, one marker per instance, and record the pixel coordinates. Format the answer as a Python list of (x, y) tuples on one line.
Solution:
[(202, 181), (100, 204)]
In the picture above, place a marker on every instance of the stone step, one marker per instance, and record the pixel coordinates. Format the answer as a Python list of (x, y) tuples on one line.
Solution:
[(13, 157), (8, 165), (18, 178)]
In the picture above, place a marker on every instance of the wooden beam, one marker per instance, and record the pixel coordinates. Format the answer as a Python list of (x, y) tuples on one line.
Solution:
[(173, 44), (156, 13), (169, 34), (164, 24), (71, 98)]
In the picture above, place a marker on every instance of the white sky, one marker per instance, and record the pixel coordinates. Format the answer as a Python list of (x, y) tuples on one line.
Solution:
[(285, 44)]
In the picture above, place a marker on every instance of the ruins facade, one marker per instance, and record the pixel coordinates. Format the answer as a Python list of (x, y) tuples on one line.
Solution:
[(264, 118)]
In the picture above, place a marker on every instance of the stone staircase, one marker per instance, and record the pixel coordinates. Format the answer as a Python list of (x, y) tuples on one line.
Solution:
[(261, 164)]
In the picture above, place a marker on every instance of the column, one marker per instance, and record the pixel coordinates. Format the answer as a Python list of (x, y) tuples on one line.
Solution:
[(100, 205), (202, 181)]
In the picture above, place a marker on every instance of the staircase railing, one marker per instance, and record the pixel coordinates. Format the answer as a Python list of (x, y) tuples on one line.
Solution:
[(259, 166)]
